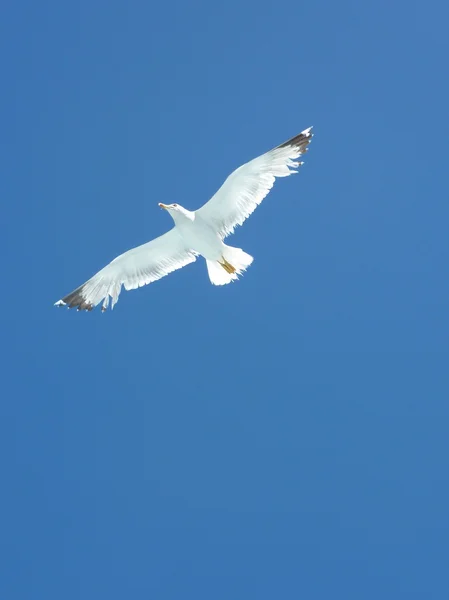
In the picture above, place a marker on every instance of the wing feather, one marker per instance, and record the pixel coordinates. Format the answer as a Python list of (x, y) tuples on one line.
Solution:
[(133, 269), (248, 185)]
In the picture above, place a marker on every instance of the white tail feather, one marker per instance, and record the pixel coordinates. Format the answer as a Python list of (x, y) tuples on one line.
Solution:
[(236, 257)]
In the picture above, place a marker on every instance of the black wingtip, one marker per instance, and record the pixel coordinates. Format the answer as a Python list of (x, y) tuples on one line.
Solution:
[(300, 141), (75, 300)]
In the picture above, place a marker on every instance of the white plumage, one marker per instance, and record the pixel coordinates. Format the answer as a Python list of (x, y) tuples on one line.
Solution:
[(199, 232)]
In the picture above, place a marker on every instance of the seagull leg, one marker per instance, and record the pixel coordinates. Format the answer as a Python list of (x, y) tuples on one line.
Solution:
[(227, 266)]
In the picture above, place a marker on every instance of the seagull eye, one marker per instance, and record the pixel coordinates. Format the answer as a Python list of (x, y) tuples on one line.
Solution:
[(175, 205)]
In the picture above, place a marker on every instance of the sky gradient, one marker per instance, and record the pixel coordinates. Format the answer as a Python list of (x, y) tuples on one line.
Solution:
[(281, 437)]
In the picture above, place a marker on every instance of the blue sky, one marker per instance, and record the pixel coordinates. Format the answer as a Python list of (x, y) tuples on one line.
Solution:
[(282, 437)]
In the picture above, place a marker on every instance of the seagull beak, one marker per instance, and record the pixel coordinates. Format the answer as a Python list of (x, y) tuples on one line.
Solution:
[(163, 205)]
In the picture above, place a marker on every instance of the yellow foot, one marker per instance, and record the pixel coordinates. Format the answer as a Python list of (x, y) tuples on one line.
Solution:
[(227, 266)]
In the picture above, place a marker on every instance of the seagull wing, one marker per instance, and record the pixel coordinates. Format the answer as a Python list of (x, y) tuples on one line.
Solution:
[(248, 185), (133, 269)]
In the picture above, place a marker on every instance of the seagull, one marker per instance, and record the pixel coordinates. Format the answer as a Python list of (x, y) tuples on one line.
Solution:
[(196, 233)]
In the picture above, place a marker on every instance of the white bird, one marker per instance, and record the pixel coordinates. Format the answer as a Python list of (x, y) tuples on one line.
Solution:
[(199, 232)]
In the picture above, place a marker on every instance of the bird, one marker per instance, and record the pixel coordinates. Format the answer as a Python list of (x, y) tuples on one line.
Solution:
[(196, 233)]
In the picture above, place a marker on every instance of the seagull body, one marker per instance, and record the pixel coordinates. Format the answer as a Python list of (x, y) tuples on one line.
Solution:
[(195, 233)]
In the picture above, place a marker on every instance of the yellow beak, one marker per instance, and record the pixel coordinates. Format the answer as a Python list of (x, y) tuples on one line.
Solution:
[(163, 205)]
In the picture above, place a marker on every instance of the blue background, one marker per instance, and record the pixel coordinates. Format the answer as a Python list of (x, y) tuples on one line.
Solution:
[(282, 437)]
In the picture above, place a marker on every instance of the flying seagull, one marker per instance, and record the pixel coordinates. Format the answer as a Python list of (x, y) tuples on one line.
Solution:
[(199, 232)]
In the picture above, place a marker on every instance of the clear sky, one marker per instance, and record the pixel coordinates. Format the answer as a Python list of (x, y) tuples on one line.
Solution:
[(281, 437)]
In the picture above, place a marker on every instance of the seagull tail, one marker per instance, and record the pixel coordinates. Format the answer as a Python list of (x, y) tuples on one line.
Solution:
[(232, 264)]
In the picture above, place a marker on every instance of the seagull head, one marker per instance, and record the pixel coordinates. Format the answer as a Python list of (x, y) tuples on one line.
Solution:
[(177, 212)]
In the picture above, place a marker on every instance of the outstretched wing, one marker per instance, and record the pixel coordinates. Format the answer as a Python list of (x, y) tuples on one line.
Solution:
[(133, 269), (248, 185)]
